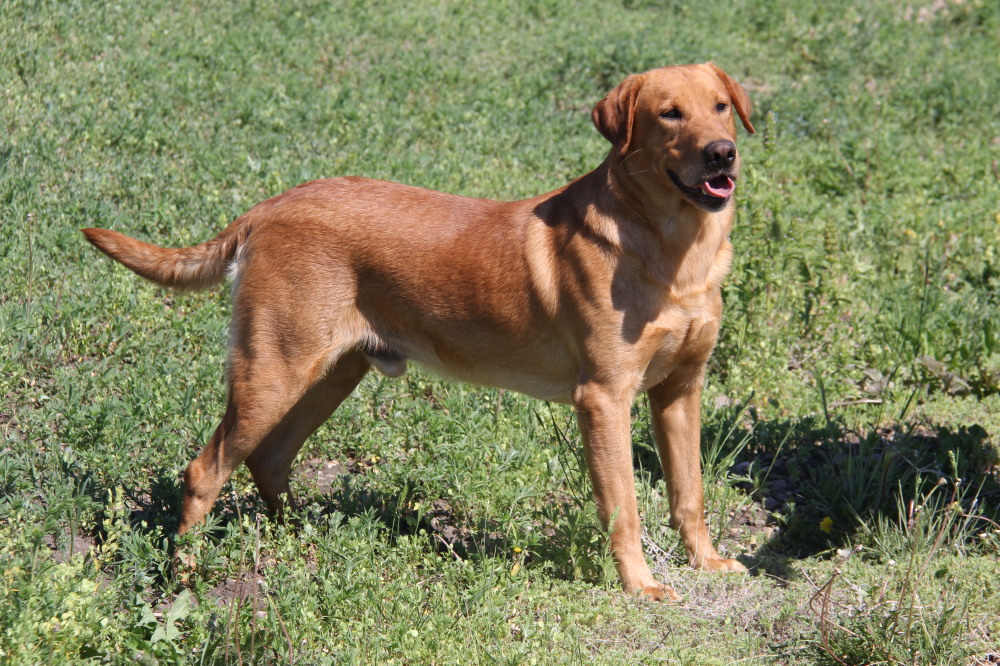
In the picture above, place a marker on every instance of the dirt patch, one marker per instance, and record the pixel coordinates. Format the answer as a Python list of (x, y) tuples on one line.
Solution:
[(69, 545), (450, 531), (458, 538), (237, 590), (323, 476)]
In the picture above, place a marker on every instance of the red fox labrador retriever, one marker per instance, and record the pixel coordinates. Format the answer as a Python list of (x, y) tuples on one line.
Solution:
[(586, 295)]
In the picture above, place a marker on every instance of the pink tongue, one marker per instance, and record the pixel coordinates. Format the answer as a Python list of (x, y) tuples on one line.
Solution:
[(720, 187)]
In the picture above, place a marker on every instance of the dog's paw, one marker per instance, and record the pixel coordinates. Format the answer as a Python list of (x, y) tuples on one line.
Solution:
[(659, 592), (719, 564), (655, 591)]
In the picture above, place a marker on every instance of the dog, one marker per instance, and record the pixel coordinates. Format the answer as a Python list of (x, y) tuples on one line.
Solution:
[(587, 295)]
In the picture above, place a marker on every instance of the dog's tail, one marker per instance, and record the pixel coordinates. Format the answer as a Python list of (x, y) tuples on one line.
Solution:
[(195, 267)]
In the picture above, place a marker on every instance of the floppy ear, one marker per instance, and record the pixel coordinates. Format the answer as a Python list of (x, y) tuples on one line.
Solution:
[(737, 95), (615, 114)]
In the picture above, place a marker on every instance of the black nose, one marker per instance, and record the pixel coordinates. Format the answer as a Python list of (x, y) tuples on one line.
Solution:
[(720, 153)]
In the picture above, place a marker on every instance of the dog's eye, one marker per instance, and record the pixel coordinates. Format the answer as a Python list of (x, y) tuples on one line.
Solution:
[(721, 106), (671, 114)]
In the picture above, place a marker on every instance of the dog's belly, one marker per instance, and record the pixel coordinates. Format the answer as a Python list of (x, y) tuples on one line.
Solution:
[(546, 374), (540, 387)]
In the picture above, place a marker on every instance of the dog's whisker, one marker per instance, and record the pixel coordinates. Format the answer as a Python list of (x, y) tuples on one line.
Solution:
[(631, 155)]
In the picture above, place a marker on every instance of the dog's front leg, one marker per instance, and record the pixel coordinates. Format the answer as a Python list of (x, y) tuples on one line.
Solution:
[(676, 412), (604, 424)]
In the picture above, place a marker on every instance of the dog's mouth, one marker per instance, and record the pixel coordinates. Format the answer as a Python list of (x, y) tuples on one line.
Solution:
[(712, 194)]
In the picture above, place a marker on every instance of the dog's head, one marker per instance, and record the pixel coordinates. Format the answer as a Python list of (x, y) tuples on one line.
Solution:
[(676, 126)]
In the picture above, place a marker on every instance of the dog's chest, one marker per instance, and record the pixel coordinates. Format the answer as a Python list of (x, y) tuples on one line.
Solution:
[(679, 337)]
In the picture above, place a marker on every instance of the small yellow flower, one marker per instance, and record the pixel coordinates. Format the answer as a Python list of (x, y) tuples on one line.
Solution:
[(826, 524)]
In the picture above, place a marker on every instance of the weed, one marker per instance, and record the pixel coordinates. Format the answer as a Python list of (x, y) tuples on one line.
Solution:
[(914, 616)]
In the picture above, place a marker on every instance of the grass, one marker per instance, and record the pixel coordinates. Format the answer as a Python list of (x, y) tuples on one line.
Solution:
[(852, 414)]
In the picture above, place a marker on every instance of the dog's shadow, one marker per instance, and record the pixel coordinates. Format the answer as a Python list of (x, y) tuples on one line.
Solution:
[(146, 519), (345, 492), (811, 489), (824, 489)]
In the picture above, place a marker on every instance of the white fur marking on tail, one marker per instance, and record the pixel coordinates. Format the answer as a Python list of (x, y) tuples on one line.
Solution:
[(235, 268)]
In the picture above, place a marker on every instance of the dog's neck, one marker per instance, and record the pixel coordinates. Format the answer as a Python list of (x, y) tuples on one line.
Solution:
[(673, 242)]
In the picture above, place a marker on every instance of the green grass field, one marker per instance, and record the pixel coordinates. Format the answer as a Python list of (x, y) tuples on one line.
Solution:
[(851, 418)]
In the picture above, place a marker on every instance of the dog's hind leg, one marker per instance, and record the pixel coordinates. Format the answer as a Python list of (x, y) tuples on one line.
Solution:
[(271, 462), (271, 392)]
